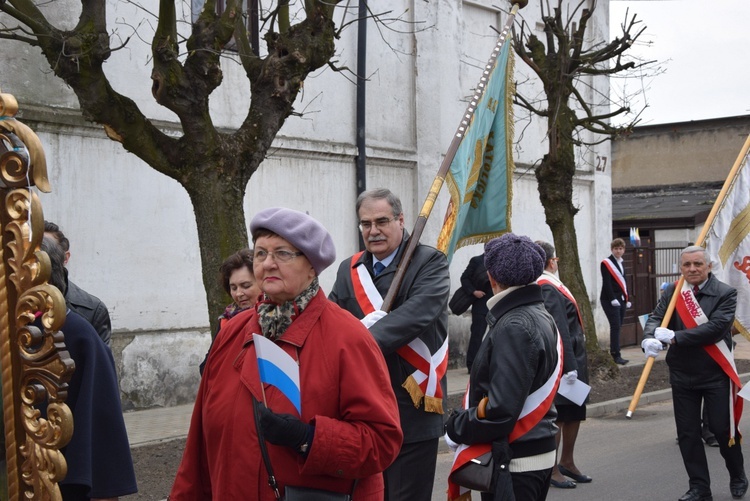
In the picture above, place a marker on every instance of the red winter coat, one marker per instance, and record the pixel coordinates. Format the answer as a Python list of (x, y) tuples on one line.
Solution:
[(346, 394)]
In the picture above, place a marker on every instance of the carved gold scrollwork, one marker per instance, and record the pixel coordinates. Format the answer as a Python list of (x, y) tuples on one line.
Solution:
[(36, 366)]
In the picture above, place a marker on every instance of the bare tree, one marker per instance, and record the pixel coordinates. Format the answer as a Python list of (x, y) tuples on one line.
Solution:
[(213, 166), (565, 62)]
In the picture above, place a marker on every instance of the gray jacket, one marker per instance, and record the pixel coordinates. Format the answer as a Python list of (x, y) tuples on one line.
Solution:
[(689, 363), (419, 310)]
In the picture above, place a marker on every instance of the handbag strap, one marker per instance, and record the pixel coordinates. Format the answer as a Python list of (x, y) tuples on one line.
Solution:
[(264, 451)]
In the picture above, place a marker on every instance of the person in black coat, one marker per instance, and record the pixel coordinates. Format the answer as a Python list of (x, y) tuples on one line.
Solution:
[(614, 295), (419, 316), (561, 304), (87, 305), (515, 376), (475, 281), (700, 351), (98, 455)]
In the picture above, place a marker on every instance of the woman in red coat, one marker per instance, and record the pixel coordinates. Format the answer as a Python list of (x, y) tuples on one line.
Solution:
[(349, 426)]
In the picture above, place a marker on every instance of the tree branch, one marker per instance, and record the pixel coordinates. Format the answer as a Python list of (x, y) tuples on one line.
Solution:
[(93, 16), (524, 103), (9, 34), (26, 12)]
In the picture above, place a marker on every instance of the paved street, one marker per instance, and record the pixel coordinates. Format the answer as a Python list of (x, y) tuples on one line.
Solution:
[(635, 459)]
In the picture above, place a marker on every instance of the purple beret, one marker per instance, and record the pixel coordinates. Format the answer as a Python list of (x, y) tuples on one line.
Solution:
[(302, 231), (513, 260)]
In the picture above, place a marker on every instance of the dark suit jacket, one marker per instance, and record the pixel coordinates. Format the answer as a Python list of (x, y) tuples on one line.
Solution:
[(688, 361), (475, 278), (89, 307), (419, 310), (610, 287)]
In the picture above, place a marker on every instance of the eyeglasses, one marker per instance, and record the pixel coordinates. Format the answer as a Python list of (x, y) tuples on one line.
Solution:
[(555, 259), (378, 223), (280, 256)]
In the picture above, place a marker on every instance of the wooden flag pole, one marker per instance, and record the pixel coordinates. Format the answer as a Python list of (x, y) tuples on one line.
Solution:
[(437, 183), (701, 239)]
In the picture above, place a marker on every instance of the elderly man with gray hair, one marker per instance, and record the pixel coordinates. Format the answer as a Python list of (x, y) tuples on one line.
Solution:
[(701, 368)]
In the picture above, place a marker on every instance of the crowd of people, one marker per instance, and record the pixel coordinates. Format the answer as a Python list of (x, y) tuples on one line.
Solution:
[(341, 395)]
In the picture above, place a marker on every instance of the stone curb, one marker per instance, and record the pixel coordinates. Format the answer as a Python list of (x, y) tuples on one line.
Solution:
[(618, 406)]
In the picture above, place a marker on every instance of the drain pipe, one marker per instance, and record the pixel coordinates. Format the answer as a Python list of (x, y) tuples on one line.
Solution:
[(361, 172)]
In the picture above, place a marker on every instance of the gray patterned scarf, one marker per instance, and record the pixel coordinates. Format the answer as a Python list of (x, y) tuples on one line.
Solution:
[(275, 319)]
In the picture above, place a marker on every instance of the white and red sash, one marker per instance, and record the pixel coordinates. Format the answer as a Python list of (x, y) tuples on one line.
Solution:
[(691, 314), (617, 275), (548, 278), (424, 382), (535, 407)]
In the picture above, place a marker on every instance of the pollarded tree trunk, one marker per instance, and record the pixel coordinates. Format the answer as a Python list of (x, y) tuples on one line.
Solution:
[(220, 219), (213, 166), (555, 176)]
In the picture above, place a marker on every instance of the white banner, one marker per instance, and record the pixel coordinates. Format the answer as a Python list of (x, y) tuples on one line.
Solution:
[(728, 243)]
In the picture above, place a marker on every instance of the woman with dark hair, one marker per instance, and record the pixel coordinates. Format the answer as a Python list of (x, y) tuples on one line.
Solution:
[(337, 432), (238, 281)]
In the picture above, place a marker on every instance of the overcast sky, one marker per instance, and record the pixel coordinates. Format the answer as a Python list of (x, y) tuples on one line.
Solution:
[(705, 50)]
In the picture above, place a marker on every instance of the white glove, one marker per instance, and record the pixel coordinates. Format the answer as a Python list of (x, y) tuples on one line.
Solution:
[(651, 347), (570, 377), (664, 335), (628, 306), (615, 303), (371, 318), (453, 445)]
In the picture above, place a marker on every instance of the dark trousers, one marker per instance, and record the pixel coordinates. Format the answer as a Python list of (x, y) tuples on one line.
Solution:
[(527, 486), (412, 474), (686, 401), (478, 327), (616, 316)]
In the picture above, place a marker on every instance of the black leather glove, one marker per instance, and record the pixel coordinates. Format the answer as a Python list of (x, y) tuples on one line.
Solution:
[(285, 429), (450, 424)]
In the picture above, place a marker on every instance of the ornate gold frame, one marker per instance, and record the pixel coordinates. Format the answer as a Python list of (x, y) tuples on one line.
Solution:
[(36, 366)]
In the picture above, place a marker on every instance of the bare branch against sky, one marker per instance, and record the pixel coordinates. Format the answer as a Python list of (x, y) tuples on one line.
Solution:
[(703, 46)]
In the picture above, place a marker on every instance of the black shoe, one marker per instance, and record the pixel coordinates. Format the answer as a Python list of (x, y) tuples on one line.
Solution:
[(696, 495), (580, 478), (621, 361), (711, 441), (738, 486), (565, 484)]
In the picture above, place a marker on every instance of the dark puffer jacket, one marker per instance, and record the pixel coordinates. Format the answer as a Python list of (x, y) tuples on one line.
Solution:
[(518, 355)]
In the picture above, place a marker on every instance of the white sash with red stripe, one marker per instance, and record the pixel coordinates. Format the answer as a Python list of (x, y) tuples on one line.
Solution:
[(424, 382), (549, 278), (535, 407), (692, 315), (617, 275)]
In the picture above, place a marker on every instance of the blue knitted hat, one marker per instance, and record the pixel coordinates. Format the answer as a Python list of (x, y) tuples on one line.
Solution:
[(513, 260)]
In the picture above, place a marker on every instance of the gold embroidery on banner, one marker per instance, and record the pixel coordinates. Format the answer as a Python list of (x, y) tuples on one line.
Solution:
[(738, 230)]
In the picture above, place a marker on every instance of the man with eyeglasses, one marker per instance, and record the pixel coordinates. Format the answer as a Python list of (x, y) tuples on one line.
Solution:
[(413, 335)]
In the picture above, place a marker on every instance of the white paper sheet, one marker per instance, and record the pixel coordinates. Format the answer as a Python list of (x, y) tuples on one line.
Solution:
[(745, 391), (576, 392)]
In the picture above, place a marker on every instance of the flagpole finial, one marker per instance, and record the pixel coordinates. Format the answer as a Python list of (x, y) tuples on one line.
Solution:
[(521, 3)]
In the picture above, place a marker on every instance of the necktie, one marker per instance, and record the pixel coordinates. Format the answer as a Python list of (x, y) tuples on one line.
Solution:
[(696, 290), (378, 267)]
